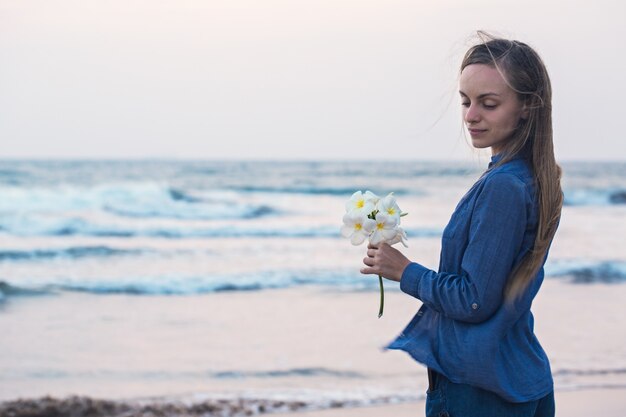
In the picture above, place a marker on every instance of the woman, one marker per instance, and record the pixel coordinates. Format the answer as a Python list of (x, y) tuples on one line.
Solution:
[(474, 330)]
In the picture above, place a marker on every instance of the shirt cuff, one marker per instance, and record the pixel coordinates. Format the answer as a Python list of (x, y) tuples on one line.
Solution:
[(411, 277)]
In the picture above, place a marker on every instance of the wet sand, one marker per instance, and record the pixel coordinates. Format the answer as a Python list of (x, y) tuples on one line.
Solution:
[(585, 403), (307, 344)]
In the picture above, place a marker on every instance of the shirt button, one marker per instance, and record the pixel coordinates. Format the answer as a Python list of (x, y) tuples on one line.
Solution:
[(474, 306)]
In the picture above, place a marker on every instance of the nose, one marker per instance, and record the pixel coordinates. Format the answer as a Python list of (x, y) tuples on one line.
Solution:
[(472, 115)]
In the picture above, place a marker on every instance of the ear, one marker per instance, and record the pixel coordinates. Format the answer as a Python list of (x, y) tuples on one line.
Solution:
[(525, 112)]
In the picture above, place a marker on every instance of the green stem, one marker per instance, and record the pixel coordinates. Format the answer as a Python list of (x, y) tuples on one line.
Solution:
[(382, 296)]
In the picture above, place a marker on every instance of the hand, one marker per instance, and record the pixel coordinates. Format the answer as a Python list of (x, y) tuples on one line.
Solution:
[(384, 260)]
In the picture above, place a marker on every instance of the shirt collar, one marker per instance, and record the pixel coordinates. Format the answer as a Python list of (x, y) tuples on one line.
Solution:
[(495, 159)]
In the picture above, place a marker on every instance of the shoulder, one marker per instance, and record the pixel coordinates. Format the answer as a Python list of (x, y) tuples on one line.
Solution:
[(512, 181), (517, 168), (515, 174)]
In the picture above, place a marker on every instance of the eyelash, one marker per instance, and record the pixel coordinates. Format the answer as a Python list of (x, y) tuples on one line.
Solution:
[(486, 106)]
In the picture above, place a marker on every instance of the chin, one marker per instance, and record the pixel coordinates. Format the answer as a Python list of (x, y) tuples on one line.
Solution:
[(479, 145)]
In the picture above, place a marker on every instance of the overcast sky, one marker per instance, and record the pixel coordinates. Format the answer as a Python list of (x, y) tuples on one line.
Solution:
[(318, 79)]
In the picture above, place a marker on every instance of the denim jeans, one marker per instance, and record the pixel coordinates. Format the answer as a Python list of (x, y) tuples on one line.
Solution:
[(447, 399)]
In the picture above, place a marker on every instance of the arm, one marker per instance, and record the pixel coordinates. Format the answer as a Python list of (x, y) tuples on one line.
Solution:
[(496, 232)]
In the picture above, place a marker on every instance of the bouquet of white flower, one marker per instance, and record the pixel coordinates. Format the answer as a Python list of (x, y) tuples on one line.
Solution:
[(376, 219)]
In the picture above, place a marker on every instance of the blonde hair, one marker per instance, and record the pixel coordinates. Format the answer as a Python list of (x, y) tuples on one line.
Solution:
[(524, 71)]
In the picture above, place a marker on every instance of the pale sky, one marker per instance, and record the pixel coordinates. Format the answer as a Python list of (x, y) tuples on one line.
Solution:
[(284, 79)]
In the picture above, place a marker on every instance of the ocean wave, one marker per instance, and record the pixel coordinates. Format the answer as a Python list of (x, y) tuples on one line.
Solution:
[(285, 373), (13, 177), (588, 272), (317, 189), (436, 170), (8, 290), (173, 203), (80, 227), (136, 200), (219, 211), (77, 226), (200, 374), (582, 379), (179, 285), (594, 197), (589, 372), (340, 279), (75, 252), (179, 195)]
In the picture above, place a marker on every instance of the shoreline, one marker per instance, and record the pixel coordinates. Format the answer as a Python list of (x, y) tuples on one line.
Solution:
[(575, 403), (605, 402), (294, 350)]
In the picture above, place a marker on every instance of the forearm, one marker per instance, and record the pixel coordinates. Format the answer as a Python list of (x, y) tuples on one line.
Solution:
[(453, 295)]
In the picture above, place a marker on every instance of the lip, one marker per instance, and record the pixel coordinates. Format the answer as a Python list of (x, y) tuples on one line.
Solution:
[(475, 132)]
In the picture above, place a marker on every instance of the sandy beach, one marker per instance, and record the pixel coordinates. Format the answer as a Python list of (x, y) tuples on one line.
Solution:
[(585, 403), (312, 341)]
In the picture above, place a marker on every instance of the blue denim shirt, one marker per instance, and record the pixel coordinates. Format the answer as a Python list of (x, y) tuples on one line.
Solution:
[(464, 329)]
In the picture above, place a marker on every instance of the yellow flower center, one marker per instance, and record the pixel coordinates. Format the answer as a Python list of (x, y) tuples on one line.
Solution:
[(360, 204), (380, 226), (358, 226), (391, 211)]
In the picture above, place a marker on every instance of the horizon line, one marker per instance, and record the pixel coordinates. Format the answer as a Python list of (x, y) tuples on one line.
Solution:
[(88, 158)]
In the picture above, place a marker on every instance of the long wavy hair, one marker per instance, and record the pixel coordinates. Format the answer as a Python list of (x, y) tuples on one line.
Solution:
[(524, 71)]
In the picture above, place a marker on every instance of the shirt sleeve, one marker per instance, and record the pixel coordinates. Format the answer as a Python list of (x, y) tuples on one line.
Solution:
[(496, 232)]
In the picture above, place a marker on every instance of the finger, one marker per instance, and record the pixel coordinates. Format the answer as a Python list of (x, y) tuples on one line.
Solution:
[(372, 246), (384, 246), (367, 271), (368, 261), (371, 252)]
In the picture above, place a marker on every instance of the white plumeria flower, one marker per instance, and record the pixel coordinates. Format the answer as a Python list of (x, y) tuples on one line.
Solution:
[(362, 202), (399, 238), (369, 216), (357, 226), (386, 228), (370, 196), (389, 206)]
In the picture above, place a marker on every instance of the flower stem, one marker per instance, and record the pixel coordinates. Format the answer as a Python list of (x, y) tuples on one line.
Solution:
[(382, 296)]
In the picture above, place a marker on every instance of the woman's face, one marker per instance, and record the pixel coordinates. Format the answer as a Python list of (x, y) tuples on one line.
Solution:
[(491, 109)]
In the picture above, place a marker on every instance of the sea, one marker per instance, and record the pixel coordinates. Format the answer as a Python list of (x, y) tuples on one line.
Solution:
[(78, 237)]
